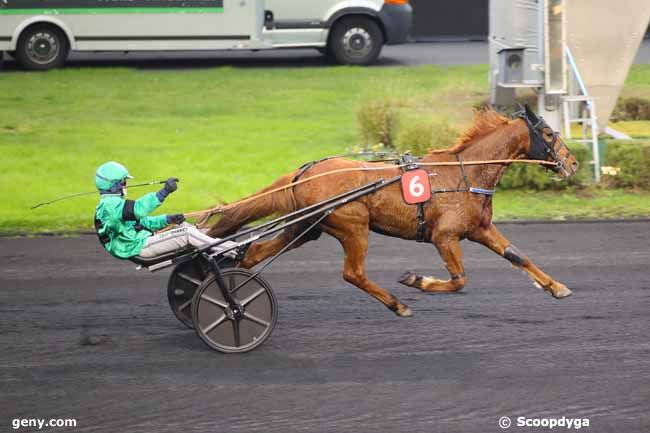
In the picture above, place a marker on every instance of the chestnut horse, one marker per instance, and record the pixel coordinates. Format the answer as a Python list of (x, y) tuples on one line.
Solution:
[(450, 216)]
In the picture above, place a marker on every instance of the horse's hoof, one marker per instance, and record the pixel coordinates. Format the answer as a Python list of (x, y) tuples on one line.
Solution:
[(404, 312), (407, 278), (562, 292)]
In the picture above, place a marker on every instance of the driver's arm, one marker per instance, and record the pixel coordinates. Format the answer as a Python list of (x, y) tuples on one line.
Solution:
[(140, 209)]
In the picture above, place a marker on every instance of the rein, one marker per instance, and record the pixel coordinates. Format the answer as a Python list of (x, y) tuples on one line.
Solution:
[(207, 213)]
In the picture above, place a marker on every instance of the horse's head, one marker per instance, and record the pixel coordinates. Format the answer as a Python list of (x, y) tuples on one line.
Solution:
[(546, 145)]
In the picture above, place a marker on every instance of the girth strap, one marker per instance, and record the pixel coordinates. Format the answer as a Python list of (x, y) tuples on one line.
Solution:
[(407, 162), (422, 226)]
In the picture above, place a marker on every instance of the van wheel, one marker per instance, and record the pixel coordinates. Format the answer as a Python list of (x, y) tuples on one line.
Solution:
[(356, 41), (42, 47)]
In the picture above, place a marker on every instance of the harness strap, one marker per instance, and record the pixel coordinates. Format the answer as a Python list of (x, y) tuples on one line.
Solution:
[(462, 170), (406, 163), (482, 191), (303, 168), (422, 224), (306, 166), (206, 213)]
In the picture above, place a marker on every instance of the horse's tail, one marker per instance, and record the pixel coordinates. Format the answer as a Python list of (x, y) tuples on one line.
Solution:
[(239, 213)]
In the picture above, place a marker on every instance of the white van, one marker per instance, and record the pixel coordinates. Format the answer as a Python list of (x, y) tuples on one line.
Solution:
[(41, 33)]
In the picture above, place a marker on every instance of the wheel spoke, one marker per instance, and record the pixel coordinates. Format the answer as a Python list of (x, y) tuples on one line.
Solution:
[(190, 279), (185, 305), (216, 302), (231, 283), (214, 324), (252, 297), (235, 330), (256, 319)]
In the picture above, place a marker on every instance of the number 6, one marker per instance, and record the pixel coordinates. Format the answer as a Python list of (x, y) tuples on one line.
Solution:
[(415, 187)]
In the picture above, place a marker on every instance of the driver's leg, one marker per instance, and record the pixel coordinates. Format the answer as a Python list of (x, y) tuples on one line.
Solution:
[(197, 238), (178, 238)]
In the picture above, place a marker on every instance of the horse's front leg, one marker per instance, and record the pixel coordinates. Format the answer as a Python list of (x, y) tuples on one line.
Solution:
[(448, 246), (492, 238)]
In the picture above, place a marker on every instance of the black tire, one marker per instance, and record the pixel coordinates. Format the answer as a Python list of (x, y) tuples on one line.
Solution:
[(356, 41), (11, 54), (42, 47), (183, 282), (213, 319)]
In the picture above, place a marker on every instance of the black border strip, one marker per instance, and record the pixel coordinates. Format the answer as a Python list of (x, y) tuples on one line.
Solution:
[(5, 38), (292, 24), (163, 38)]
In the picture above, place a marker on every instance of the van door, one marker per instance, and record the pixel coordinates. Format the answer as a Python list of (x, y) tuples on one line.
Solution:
[(299, 13), (299, 23)]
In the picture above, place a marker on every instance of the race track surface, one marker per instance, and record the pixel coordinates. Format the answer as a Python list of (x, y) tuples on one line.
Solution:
[(413, 54), (85, 336)]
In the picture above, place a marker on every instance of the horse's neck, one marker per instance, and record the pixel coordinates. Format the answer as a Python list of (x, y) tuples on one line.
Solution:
[(508, 142)]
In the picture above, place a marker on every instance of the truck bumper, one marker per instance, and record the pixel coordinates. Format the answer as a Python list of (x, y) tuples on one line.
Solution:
[(397, 21)]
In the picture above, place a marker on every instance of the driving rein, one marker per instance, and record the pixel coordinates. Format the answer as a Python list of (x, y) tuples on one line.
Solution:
[(539, 151)]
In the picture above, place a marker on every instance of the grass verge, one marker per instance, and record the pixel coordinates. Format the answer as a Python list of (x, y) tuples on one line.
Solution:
[(591, 203), (225, 132)]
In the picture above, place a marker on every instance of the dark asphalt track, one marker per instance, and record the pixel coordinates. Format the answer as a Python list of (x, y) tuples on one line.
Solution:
[(85, 336), (438, 53)]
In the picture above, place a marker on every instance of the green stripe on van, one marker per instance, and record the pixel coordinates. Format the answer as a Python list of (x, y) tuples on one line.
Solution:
[(108, 10)]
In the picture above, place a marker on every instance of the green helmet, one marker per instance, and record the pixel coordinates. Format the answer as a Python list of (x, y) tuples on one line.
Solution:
[(110, 176)]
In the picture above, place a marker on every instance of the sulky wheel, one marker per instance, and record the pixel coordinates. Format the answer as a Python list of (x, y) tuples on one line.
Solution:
[(228, 332), (183, 282)]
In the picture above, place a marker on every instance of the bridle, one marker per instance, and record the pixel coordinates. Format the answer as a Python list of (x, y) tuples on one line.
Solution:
[(540, 149)]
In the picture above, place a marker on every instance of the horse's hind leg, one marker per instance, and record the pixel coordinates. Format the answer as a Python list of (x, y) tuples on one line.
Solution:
[(448, 246), (492, 238), (259, 251)]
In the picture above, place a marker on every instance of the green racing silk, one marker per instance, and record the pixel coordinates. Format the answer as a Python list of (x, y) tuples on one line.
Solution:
[(123, 226)]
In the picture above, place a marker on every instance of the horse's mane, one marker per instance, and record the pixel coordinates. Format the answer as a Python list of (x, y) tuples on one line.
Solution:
[(486, 120)]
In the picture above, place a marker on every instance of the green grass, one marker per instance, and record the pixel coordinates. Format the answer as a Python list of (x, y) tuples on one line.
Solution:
[(637, 82), (225, 132), (592, 203)]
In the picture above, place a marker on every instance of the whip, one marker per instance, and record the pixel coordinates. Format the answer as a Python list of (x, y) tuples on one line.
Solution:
[(45, 203)]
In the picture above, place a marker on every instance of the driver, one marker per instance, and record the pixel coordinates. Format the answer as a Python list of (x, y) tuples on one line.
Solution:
[(124, 226)]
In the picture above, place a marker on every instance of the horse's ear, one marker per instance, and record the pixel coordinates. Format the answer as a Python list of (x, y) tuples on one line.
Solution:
[(530, 114)]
